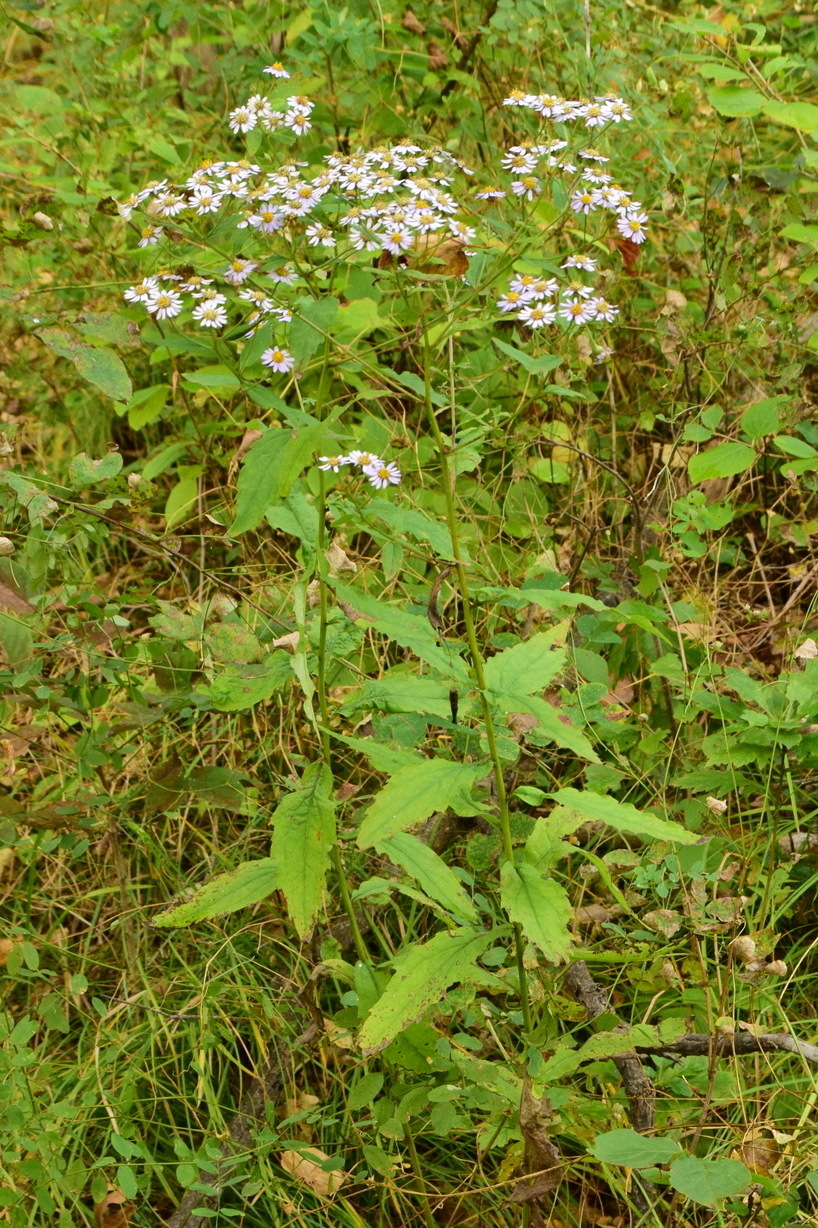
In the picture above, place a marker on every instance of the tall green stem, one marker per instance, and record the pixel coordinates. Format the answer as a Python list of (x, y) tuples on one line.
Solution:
[(476, 653)]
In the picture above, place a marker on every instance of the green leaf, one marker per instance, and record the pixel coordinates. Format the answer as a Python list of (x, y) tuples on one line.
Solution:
[(311, 320), (708, 1181), (545, 846), (146, 406), (539, 906), (434, 876), (387, 759), (734, 101), (399, 691), (763, 417), (184, 497), (801, 233), (217, 786), (356, 319), (218, 378), (258, 481), (16, 639), (605, 1044), (800, 115), (549, 724), (417, 791), (534, 366), (297, 516), (241, 686), (247, 884), (83, 471), (365, 1091), (417, 524), (411, 631), (622, 816), (633, 1150), (298, 452), (423, 974), (303, 836), (527, 666), (723, 461), (100, 367)]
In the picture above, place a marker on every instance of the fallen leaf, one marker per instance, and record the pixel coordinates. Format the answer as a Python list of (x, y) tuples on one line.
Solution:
[(114, 1210), (339, 560), (305, 1166), (289, 642), (807, 651), (410, 22)]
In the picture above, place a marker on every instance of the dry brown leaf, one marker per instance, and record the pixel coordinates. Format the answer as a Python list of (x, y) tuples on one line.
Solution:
[(663, 921), (114, 1210), (339, 560), (438, 59), (10, 600), (460, 41), (716, 805), (542, 1156), (305, 1166), (411, 22), (807, 651), (289, 642), (758, 1153)]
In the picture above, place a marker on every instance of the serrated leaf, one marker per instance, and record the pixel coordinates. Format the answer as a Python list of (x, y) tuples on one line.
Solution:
[(247, 884), (399, 691), (540, 906), (102, 368), (549, 724), (257, 486), (311, 320), (723, 461), (417, 524), (387, 759), (526, 667), (424, 972), (417, 791), (411, 631), (622, 816), (422, 863), (708, 1181), (633, 1150), (303, 836)]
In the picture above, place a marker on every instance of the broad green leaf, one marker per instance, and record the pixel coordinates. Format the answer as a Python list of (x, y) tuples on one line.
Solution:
[(217, 786), (218, 378), (605, 1044), (257, 486), (793, 446), (633, 1150), (146, 406), (423, 973), (723, 461), (764, 417), (356, 319), (708, 1181), (526, 667), (387, 759), (303, 836), (801, 233), (298, 451), (83, 471), (622, 816), (418, 791), (297, 516), (311, 320), (539, 906), (411, 631), (247, 884), (102, 368), (16, 639), (417, 524), (545, 845), (800, 115), (399, 691), (241, 686), (549, 723), (434, 876), (734, 101), (182, 502), (365, 1091), (534, 366)]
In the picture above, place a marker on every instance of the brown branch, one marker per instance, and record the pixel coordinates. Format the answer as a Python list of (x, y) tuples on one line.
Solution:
[(733, 1045)]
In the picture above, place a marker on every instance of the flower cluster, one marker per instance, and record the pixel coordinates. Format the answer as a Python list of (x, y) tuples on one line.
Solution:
[(380, 473), (400, 201)]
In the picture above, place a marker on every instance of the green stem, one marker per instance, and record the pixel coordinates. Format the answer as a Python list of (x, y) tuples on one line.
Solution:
[(321, 681), (478, 663)]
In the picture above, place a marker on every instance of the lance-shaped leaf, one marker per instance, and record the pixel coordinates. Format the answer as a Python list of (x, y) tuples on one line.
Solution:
[(436, 878), (549, 723), (422, 975), (526, 667), (247, 884), (303, 836), (412, 631), (539, 906), (417, 791), (623, 816)]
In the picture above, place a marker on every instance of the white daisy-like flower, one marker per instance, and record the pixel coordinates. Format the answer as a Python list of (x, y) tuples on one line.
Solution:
[(490, 194), (542, 288), (512, 300), (576, 311), (278, 360), (267, 221), (528, 187), (594, 115), (143, 291), (616, 110), (632, 226), (397, 239), (210, 315), (164, 304), (320, 236), (331, 463), (169, 205), (521, 161), (283, 275), (515, 99), (283, 314), (537, 315), (578, 289), (523, 283), (603, 310), (205, 199), (579, 261), (592, 155), (298, 122), (582, 202), (357, 457), (243, 119), (238, 271), (150, 235), (382, 475), (196, 285), (276, 70)]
